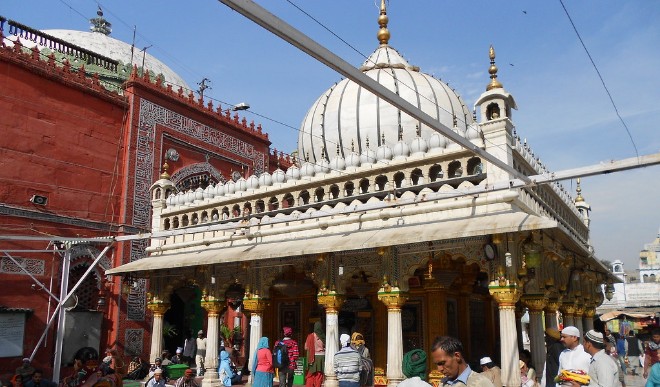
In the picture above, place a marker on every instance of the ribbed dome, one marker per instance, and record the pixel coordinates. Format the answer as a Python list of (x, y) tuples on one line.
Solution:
[(348, 113)]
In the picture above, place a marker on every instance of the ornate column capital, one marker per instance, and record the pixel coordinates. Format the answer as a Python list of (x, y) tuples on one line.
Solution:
[(255, 304), (505, 293), (158, 308), (330, 300), (392, 297), (213, 307), (552, 305), (534, 303), (590, 312), (579, 310), (568, 309)]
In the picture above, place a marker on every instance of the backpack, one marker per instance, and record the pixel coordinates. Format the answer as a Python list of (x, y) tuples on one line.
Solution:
[(280, 356)]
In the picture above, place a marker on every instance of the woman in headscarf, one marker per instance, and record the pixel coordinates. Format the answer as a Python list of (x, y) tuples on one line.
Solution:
[(367, 374), (414, 368), (315, 347), (262, 365)]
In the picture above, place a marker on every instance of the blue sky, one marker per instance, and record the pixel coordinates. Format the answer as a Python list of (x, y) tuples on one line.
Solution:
[(564, 112)]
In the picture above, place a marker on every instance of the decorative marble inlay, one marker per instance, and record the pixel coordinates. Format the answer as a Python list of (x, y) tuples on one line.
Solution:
[(133, 341), (35, 267)]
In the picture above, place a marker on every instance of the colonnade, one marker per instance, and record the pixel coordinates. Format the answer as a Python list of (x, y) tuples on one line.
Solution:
[(506, 294)]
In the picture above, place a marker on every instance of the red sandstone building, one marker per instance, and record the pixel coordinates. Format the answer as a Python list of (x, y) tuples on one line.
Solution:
[(83, 138)]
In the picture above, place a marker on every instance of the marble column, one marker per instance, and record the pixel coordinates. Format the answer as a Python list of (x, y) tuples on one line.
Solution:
[(158, 309), (393, 299), (568, 313), (579, 312), (213, 308), (535, 304), (589, 313), (551, 308), (507, 294), (255, 306), (332, 302)]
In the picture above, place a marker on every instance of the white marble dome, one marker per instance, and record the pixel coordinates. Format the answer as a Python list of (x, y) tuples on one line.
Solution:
[(348, 113)]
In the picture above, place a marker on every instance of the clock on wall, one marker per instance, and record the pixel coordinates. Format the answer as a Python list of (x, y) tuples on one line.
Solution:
[(235, 176), (489, 251)]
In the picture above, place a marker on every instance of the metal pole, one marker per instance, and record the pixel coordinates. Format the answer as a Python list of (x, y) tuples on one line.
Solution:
[(279, 27), (58, 355), (59, 338), (31, 276)]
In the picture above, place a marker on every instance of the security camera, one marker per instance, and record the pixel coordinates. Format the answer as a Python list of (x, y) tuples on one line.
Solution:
[(39, 200)]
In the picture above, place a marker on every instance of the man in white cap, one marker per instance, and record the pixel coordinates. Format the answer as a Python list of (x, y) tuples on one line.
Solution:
[(200, 355), (573, 357), (157, 380), (178, 358), (603, 370), (347, 364), (491, 371)]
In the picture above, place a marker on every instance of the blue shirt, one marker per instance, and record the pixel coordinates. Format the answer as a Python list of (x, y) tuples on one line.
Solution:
[(463, 377)]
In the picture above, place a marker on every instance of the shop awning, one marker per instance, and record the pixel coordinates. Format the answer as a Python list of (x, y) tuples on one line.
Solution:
[(280, 246), (628, 314)]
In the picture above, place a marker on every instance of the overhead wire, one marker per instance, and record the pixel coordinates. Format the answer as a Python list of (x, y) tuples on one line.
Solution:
[(600, 76)]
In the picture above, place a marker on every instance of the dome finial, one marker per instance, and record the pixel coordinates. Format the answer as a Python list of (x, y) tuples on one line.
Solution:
[(367, 141), (352, 145), (418, 131), (99, 24), (383, 33), (382, 139), (494, 83), (165, 175), (400, 133), (579, 197)]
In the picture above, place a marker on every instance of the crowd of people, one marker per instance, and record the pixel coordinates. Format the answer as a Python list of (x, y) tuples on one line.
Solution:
[(573, 359)]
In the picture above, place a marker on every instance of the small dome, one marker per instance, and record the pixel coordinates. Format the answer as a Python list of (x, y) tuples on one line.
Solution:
[(293, 173), (322, 166), (219, 189), (265, 179), (307, 170), (279, 176), (230, 187), (419, 146), (437, 141), (252, 182), (383, 153), (401, 149), (241, 185), (353, 160), (338, 163)]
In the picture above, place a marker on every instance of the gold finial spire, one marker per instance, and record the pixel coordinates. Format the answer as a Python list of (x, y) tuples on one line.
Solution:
[(352, 145), (165, 175), (494, 83), (383, 33), (579, 197)]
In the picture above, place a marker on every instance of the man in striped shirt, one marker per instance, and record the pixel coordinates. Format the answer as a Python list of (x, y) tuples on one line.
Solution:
[(347, 364)]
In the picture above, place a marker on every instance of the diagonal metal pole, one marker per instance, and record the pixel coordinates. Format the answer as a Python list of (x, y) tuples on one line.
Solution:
[(279, 27), (58, 357), (31, 276)]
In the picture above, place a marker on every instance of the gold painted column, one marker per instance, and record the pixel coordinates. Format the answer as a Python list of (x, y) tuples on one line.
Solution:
[(535, 304), (158, 308), (507, 294), (568, 313), (589, 313), (551, 308), (394, 299), (436, 300), (579, 312), (332, 302), (254, 305), (464, 315), (213, 307)]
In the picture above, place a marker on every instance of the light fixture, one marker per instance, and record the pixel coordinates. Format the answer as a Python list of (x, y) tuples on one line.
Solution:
[(609, 291), (240, 106)]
